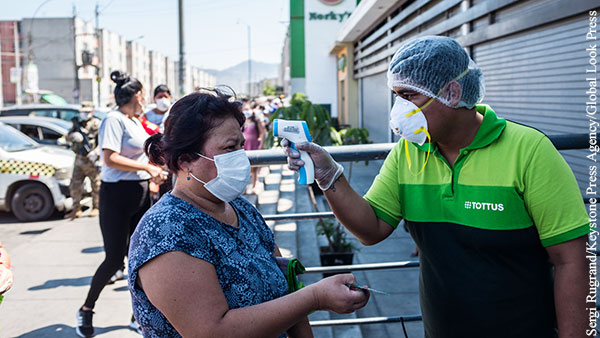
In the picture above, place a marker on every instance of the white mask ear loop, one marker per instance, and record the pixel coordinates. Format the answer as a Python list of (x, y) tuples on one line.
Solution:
[(190, 172), (196, 178)]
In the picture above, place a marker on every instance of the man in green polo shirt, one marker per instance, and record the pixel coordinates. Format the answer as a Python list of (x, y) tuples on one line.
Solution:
[(493, 207)]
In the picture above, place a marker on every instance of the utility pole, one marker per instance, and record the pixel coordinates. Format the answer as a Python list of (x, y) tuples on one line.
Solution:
[(181, 52)]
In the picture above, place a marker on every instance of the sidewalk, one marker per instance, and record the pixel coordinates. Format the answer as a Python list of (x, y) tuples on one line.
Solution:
[(53, 271)]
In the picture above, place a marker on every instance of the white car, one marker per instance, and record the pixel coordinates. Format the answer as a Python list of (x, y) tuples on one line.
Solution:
[(34, 179)]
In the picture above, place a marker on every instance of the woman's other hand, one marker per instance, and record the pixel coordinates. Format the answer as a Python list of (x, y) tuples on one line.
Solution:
[(332, 294)]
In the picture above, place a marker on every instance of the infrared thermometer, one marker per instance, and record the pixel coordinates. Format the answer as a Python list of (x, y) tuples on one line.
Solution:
[(297, 132)]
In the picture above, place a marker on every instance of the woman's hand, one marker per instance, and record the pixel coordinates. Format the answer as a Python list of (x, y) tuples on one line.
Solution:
[(332, 294), (155, 172), (327, 170)]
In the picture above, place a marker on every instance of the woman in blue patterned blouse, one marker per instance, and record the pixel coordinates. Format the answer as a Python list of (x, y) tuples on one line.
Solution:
[(202, 260)]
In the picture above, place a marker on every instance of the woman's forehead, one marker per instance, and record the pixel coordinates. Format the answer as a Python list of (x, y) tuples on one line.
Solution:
[(226, 129)]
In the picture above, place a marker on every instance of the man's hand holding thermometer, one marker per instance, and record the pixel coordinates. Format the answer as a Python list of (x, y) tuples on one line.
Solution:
[(309, 159)]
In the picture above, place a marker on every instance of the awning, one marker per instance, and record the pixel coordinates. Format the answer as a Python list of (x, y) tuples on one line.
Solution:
[(54, 99)]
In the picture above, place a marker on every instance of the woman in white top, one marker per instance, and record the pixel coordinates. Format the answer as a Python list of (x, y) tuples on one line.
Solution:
[(124, 194)]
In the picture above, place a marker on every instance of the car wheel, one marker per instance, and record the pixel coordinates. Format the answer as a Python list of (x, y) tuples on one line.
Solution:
[(32, 202)]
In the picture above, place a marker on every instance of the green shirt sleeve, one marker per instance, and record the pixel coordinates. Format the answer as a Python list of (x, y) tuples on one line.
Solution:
[(383, 196), (552, 196)]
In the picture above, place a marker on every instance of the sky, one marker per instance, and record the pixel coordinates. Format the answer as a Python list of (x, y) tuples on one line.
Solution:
[(216, 31)]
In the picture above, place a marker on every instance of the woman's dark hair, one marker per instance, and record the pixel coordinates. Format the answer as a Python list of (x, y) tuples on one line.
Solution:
[(126, 87), (161, 89), (189, 124)]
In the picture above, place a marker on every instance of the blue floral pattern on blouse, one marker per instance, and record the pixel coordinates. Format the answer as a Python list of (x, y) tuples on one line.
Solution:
[(242, 256)]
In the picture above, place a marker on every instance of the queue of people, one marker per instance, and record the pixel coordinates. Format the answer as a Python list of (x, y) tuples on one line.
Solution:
[(515, 269)]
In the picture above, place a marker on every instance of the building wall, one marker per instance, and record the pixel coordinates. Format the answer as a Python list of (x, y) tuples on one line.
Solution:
[(158, 72), (138, 63), (321, 23), (52, 50), (113, 56), (347, 86), (171, 76), (8, 47)]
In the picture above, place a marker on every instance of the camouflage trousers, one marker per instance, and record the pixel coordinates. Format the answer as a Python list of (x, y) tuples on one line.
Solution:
[(84, 168)]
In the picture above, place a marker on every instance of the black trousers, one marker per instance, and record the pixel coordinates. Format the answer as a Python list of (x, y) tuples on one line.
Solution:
[(122, 205)]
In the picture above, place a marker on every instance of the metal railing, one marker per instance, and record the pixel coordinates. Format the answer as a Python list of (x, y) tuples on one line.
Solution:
[(365, 152), (378, 151)]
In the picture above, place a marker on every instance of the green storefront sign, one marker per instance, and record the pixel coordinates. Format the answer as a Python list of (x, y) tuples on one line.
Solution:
[(329, 16)]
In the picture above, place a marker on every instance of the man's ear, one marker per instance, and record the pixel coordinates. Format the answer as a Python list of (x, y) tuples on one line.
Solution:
[(453, 93)]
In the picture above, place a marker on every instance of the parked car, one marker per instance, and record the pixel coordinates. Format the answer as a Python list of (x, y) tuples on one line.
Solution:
[(34, 179), (44, 130), (63, 112)]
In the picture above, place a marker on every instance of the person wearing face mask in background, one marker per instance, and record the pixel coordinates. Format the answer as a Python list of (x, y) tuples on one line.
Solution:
[(216, 243), (494, 208), (254, 134), (83, 137), (163, 100), (124, 195)]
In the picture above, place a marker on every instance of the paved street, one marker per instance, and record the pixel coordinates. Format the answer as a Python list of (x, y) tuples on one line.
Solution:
[(53, 264)]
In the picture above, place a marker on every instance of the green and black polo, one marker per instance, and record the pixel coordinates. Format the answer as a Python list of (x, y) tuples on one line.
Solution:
[(481, 227)]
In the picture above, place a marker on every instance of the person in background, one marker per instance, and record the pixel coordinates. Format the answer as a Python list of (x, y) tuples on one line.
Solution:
[(494, 208), (163, 100), (124, 195), (6, 274), (254, 134), (202, 261), (84, 142)]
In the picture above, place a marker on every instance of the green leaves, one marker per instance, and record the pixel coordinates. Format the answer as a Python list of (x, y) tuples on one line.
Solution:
[(335, 235)]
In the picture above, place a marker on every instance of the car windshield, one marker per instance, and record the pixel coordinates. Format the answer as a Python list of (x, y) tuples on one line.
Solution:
[(62, 123), (13, 140)]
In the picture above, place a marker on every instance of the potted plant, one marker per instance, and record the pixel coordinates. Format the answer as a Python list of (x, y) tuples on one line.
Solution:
[(339, 249)]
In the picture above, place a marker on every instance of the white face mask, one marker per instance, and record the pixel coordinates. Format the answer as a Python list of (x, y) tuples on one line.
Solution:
[(84, 116), (408, 120), (163, 104), (233, 175)]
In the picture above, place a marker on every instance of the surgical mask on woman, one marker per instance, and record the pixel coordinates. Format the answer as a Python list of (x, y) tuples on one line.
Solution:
[(233, 175), (163, 104)]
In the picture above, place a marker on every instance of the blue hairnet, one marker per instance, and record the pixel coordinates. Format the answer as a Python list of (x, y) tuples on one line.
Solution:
[(427, 64)]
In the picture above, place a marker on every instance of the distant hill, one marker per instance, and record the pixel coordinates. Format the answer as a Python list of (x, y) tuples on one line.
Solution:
[(237, 76)]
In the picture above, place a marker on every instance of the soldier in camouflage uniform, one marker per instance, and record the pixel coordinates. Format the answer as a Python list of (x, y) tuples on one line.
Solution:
[(84, 139)]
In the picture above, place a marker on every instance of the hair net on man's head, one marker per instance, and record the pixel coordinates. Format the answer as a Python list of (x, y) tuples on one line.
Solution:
[(427, 64)]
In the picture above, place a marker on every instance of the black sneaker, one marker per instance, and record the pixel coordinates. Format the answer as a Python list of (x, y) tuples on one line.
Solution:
[(84, 328)]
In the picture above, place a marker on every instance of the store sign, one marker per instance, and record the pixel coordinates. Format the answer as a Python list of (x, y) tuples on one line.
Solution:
[(329, 16), (331, 2)]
